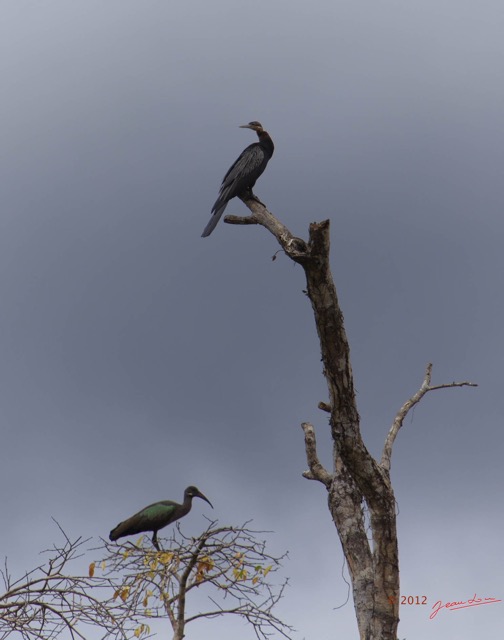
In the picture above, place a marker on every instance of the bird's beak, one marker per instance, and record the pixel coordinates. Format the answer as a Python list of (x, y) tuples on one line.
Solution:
[(200, 495), (246, 126)]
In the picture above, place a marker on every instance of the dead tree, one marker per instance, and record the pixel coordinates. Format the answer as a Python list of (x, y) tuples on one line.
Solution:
[(228, 565), (357, 479)]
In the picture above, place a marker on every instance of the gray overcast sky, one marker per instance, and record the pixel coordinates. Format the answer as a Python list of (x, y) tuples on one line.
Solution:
[(138, 358)]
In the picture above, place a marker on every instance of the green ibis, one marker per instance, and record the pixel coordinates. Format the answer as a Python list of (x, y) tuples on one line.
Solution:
[(242, 175), (156, 516)]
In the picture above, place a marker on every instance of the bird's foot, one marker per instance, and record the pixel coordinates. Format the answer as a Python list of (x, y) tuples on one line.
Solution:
[(250, 195), (254, 197)]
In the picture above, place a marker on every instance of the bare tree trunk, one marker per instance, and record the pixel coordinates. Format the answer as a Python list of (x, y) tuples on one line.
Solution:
[(178, 632), (357, 478)]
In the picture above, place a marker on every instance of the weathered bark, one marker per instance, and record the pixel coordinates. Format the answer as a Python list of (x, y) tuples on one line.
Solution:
[(357, 478)]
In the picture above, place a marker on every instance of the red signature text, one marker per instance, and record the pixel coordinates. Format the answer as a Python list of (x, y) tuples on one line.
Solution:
[(452, 606)]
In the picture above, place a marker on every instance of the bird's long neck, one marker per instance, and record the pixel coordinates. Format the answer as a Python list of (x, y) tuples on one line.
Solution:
[(265, 140), (187, 504)]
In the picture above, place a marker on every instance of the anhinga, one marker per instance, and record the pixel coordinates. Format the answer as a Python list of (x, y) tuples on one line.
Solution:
[(156, 516), (242, 176)]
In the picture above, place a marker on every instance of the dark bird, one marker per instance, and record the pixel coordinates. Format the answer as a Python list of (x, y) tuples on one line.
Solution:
[(156, 516), (242, 176)]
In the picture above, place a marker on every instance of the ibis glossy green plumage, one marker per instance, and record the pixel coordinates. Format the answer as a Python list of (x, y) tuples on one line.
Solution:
[(156, 516)]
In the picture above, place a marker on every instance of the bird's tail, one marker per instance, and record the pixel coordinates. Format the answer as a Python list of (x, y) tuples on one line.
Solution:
[(113, 534), (216, 216)]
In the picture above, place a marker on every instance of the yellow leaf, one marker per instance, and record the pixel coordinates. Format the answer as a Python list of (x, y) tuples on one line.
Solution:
[(126, 553), (124, 593), (148, 594), (255, 580), (91, 569), (240, 574), (165, 557), (103, 565), (138, 631), (267, 570), (139, 541), (207, 563)]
